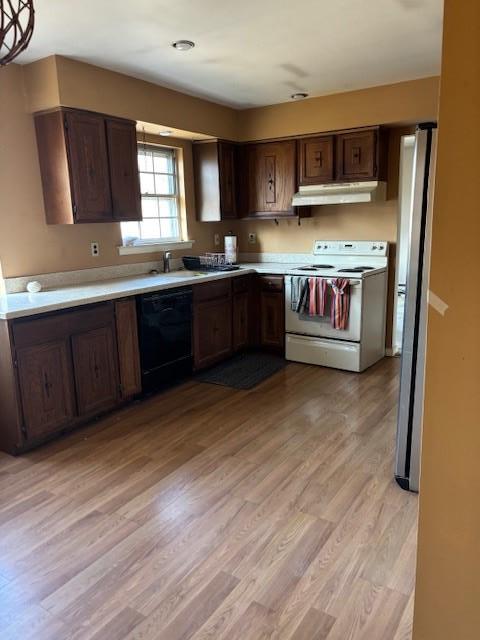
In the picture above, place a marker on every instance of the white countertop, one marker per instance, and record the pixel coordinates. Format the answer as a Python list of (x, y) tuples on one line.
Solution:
[(18, 305)]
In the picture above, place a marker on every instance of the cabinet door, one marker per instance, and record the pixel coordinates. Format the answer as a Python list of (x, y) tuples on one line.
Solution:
[(272, 321), (128, 347), (46, 387), (95, 366), (357, 155), (124, 176), (226, 161), (89, 171), (240, 320), (212, 331), (315, 160), (272, 178)]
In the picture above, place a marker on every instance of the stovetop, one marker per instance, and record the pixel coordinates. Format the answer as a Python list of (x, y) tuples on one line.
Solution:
[(339, 270)]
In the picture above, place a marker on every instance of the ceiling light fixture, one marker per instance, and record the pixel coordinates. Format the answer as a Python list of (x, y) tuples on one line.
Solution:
[(299, 96), (183, 45), (165, 133), (17, 19)]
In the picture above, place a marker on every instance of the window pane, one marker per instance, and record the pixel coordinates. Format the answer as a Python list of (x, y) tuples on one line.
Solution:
[(169, 228), (168, 207), (150, 228), (147, 184), (163, 163), (164, 184), (145, 160), (149, 207), (130, 230)]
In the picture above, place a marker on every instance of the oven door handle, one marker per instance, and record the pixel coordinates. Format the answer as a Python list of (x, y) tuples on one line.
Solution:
[(352, 283)]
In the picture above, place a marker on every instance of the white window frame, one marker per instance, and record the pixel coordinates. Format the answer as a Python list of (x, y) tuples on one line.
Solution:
[(129, 242)]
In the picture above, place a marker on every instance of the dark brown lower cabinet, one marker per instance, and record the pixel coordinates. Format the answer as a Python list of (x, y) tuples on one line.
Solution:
[(242, 307), (212, 331), (272, 313), (46, 387), (96, 370), (240, 321), (128, 353), (59, 369)]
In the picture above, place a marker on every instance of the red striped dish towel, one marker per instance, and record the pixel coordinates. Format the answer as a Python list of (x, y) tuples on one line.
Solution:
[(317, 297), (340, 303)]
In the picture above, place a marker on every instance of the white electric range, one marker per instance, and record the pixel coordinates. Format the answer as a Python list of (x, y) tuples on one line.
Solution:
[(312, 339)]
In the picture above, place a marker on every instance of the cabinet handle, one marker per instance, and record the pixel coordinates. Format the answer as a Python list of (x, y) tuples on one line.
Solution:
[(318, 158), (356, 154)]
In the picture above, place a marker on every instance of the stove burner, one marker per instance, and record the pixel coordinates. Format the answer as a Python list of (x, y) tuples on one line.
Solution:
[(355, 270), (315, 267)]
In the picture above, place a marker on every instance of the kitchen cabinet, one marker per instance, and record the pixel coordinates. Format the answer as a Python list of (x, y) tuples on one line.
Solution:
[(360, 155), (316, 160), (96, 370), (88, 165), (212, 322), (46, 387), (272, 312), (271, 179), (241, 308), (60, 368), (215, 180), (128, 347), (123, 164)]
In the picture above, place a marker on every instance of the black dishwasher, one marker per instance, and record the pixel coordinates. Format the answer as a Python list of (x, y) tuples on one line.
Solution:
[(165, 328)]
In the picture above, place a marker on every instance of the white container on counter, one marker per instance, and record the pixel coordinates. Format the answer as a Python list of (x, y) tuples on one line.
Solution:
[(231, 248)]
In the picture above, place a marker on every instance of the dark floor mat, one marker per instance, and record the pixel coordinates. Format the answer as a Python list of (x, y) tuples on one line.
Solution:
[(243, 371)]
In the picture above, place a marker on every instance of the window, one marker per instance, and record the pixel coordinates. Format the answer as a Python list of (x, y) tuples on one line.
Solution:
[(160, 198)]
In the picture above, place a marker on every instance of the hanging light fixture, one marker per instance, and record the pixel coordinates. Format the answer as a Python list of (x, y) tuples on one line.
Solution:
[(17, 18)]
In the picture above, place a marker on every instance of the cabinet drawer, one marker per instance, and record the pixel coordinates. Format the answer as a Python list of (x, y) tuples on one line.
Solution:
[(270, 283), (212, 290), (42, 329)]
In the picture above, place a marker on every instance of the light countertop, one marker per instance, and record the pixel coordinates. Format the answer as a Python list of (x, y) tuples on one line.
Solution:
[(18, 305)]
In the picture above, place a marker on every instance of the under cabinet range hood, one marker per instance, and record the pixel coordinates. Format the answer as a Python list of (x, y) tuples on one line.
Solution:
[(340, 193)]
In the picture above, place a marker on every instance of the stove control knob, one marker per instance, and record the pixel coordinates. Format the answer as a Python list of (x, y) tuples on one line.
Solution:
[(374, 247), (381, 247), (325, 246)]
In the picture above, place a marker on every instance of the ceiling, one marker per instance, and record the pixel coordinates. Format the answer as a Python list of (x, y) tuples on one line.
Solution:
[(248, 53)]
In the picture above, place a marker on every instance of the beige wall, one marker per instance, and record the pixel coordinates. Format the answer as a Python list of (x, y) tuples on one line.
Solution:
[(29, 246), (448, 577), (405, 102), (85, 86)]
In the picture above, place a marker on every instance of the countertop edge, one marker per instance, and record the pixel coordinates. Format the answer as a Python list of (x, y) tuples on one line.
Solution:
[(93, 297)]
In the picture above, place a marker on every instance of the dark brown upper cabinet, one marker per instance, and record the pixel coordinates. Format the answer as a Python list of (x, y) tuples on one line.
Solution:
[(360, 155), (123, 163), (316, 160), (271, 173), (215, 184), (88, 164)]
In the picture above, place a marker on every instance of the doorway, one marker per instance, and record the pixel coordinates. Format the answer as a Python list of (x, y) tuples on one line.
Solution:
[(405, 192)]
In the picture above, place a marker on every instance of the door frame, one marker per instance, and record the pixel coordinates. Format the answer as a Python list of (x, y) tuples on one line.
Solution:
[(406, 141)]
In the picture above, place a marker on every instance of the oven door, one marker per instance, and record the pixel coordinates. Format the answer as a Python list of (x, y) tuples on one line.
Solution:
[(321, 326)]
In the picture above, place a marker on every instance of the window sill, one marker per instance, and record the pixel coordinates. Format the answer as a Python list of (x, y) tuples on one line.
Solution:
[(154, 247)]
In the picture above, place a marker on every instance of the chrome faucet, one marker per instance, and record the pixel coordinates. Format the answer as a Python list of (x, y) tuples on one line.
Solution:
[(166, 261)]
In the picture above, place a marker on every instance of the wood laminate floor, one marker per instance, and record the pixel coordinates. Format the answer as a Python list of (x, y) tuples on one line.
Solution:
[(212, 513)]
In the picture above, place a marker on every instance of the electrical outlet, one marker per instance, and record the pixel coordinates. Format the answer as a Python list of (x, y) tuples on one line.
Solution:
[(216, 239), (95, 249), (252, 238)]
